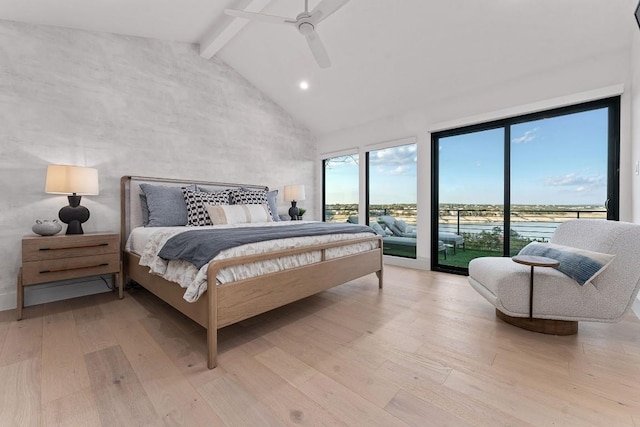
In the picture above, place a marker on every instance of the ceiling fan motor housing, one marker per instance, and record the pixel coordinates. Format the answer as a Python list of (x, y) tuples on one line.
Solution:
[(305, 28)]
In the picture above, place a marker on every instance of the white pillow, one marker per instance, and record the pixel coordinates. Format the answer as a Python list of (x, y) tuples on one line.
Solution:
[(238, 214)]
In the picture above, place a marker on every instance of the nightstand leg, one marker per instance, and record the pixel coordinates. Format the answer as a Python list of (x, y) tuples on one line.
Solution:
[(120, 283), (20, 293)]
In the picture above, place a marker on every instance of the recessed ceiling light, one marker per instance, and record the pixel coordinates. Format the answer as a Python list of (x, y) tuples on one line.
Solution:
[(304, 85)]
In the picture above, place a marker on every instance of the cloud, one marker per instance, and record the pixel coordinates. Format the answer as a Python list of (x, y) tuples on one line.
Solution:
[(400, 170), (577, 183), (395, 161), (528, 136)]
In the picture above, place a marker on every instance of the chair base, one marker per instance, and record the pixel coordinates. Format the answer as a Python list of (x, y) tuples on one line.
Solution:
[(543, 326)]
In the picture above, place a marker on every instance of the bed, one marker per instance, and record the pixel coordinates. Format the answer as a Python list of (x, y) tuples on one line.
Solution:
[(230, 302)]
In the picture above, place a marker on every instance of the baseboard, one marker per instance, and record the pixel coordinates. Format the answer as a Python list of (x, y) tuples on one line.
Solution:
[(8, 301), (636, 307), (49, 292), (418, 263)]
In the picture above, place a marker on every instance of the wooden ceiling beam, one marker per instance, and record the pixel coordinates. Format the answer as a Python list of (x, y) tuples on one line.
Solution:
[(219, 36)]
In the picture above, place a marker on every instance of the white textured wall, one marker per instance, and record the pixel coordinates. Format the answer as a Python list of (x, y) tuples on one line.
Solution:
[(128, 106), (635, 121), (635, 131)]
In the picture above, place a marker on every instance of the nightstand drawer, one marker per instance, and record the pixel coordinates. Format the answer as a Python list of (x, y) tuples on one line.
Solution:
[(35, 272), (56, 247)]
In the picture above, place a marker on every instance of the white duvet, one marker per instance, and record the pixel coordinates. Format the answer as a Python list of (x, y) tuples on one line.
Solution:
[(147, 242)]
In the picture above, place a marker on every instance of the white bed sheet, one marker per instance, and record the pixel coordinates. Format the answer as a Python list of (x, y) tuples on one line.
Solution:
[(148, 241)]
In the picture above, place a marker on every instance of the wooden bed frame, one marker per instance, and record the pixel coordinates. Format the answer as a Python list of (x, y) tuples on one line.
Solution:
[(228, 303)]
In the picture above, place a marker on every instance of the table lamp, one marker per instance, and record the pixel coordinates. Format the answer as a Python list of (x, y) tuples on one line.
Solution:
[(76, 181), (294, 193)]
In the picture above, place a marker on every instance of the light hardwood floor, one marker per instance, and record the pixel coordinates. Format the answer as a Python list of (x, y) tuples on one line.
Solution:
[(426, 350)]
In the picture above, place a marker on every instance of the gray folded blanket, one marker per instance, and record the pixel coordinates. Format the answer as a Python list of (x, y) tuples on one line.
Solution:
[(201, 246)]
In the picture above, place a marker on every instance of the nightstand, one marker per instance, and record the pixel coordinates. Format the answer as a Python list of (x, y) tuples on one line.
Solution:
[(54, 258)]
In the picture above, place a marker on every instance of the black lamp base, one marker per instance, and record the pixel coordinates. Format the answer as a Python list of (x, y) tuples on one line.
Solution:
[(74, 215), (294, 211)]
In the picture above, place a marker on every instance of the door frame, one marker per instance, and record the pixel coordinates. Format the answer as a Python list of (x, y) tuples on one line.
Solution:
[(612, 203)]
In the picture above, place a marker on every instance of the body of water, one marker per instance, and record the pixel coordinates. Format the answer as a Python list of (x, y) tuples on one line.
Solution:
[(534, 230)]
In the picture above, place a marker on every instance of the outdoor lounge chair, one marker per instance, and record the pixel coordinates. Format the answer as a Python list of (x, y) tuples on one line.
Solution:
[(407, 242), (397, 227), (452, 239), (403, 234)]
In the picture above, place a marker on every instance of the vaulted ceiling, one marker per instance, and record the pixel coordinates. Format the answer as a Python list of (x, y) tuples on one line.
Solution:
[(388, 56)]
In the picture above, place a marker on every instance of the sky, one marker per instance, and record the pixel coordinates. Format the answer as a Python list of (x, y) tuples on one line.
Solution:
[(393, 175), (555, 161)]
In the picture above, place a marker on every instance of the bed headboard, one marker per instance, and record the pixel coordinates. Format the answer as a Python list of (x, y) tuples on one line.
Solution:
[(131, 210)]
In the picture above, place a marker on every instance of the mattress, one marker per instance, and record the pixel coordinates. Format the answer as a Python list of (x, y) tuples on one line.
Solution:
[(147, 242)]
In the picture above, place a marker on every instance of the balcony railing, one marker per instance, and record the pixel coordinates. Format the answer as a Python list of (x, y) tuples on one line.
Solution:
[(529, 224)]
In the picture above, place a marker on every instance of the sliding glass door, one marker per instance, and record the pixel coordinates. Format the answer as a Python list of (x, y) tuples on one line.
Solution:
[(558, 172), (470, 193), (526, 175)]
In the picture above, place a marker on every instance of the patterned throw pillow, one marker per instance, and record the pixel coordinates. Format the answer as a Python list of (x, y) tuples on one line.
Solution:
[(238, 214), (196, 202), (250, 197)]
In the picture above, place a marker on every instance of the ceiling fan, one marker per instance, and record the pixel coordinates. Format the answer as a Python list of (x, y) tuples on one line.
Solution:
[(305, 22)]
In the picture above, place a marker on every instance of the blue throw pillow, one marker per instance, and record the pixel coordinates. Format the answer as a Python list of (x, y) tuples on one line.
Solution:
[(145, 209), (273, 205), (579, 264), (165, 205)]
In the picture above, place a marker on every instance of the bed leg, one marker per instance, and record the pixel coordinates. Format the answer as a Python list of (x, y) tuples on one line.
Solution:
[(212, 341), (212, 328), (379, 274)]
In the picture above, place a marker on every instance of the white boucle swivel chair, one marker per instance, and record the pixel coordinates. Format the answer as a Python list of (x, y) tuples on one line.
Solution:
[(559, 302)]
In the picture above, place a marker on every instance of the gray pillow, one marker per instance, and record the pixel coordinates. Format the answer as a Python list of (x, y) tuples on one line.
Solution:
[(145, 209), (401, 225), (273, 205), (165, 205), (390, 222), (377, 228)]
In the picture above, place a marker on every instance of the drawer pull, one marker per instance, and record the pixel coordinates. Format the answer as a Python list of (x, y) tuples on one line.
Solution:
[(97, 245), (104, 264)]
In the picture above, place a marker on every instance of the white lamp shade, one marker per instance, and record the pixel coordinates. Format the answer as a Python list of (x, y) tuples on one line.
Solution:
[(294, 192), (65, 179)]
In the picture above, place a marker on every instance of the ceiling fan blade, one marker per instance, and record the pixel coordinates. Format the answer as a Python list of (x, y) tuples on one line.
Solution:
[(271, 19), (324, 9), (318, 50)]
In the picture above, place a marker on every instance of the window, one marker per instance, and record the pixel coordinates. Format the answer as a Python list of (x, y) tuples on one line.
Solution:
[(392, 195), (341, 188)]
